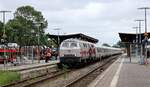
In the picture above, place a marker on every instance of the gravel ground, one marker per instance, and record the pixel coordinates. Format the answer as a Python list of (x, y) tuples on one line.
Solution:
[(65, 79)]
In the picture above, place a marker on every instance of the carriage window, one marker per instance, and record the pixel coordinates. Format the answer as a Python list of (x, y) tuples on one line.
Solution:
[(85, 45), (81, 45), (73, 45), (65, 44), (98, 50)]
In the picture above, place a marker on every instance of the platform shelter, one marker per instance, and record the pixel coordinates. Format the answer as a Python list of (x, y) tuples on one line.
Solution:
[(132, 39), (59, 38)]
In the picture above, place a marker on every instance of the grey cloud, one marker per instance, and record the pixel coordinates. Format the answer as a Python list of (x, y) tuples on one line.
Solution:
[(102, 19)]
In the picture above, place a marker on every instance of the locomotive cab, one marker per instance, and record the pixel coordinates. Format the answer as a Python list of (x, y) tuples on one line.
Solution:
[(69, 51)]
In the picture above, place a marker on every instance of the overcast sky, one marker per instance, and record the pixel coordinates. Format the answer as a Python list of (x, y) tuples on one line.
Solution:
[(101, 19)]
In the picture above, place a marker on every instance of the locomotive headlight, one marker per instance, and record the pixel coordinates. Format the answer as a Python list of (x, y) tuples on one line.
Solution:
[(75, 54)]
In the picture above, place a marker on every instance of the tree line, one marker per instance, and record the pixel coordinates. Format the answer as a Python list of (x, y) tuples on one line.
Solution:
[(119, 44), (26, 28)]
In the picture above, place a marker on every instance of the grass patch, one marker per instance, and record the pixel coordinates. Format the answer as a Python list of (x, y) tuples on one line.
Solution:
[(8, 77), (65, 69)]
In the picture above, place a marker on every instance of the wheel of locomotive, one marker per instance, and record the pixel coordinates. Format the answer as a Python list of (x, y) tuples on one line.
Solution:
[(78, 65)]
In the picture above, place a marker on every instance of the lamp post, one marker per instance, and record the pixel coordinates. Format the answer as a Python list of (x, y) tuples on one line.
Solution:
[(58, 40), (4, 13), (136, 41), (38, 34), (4, 32), (32, 32), (145, 34), (140, 41)]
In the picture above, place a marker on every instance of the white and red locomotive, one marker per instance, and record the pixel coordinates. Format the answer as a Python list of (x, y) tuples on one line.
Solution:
[(75, 51)]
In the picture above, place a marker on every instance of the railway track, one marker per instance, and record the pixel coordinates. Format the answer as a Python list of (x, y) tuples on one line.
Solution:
[(86, 78), (29, 82), (75, 82)]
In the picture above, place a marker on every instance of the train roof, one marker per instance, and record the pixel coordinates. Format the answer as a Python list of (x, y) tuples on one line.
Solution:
[(77, 36), (77, 40), (109, 48)]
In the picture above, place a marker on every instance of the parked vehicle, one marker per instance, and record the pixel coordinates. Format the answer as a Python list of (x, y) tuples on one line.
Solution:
[(8, 55)]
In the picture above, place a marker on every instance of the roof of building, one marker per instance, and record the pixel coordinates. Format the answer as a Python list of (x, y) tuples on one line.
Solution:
[(78, 36), (131, 37)]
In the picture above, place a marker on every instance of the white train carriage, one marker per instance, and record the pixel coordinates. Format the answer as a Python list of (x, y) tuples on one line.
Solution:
[(102, 52), (74, 50)]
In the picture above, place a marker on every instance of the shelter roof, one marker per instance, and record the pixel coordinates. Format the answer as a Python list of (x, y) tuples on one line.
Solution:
[(131, 37), (78, 36)]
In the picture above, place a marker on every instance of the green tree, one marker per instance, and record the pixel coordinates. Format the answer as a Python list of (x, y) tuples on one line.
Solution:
[(27, 26), (115, 46), (1, 30), (119, 44), (105, 44)]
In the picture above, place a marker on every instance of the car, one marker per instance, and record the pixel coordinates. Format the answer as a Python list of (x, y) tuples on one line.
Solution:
[(10, 55), (10, 59)]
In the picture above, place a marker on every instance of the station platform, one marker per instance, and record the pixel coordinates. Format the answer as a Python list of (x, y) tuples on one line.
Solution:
[(123, 73), (29, 71), (27, 66)]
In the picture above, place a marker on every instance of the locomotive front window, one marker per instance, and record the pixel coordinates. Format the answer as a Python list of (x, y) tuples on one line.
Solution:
[(65, 44), (73, 45)]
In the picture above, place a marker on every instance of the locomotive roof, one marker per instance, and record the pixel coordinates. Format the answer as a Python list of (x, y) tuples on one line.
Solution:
[(77, 36), (131, 37), (77, 40)]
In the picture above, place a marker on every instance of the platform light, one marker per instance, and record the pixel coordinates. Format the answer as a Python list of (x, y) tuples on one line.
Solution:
[(58, 40), (140, 41), (146, 38)]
